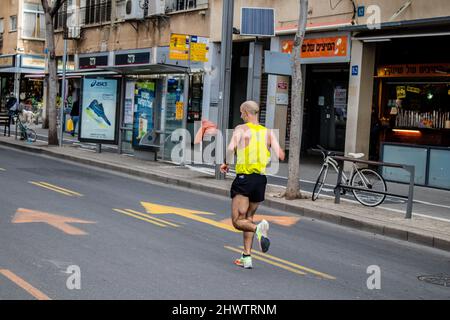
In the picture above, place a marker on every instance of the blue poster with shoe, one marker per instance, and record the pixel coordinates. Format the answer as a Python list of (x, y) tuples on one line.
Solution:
[(99, 109), (143, 118)]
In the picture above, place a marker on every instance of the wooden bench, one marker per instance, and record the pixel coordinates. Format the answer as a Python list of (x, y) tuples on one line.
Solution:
[(5, 120)]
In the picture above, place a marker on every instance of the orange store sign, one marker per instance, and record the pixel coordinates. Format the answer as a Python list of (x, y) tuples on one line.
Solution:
[(327, 47)]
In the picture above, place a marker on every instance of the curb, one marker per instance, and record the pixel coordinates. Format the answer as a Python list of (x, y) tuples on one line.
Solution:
[(391, 232)]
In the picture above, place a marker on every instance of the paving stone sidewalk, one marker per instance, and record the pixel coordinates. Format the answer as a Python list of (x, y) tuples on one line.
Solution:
[(425, 231)]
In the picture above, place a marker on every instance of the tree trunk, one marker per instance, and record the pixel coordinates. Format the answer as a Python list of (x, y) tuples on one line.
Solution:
[(52, 81), (295, 142)]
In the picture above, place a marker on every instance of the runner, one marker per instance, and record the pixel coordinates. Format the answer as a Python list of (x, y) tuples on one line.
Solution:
[(251, 143)]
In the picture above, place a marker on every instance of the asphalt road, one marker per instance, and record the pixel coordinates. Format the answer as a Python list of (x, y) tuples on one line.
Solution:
[(127, 254)]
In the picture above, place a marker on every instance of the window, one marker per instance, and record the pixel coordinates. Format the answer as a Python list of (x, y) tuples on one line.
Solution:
[(95, 11), (181, 5), (2, 28), (12, 23), (67, 14), (33, 21)]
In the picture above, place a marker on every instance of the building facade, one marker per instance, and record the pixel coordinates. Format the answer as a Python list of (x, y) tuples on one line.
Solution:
[(22, 41), (376, 72)]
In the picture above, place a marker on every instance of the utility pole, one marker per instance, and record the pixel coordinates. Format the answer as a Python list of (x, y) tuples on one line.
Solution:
[(63, 94), (225, 82)]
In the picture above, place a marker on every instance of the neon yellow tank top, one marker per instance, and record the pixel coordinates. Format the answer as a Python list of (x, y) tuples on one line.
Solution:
[(255, 157)]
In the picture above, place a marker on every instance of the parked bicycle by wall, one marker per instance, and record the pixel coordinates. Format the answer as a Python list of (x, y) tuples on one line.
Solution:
[(362, 178)]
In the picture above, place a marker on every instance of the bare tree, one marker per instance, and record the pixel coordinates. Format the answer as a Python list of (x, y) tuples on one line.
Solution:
[(51, 8), (295, 142)]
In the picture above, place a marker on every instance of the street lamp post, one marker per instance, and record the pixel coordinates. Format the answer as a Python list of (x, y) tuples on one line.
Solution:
[(225, 81)]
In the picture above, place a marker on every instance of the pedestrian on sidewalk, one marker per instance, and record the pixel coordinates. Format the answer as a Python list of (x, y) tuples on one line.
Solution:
[(75, 115), (11, 105), (251, 143)]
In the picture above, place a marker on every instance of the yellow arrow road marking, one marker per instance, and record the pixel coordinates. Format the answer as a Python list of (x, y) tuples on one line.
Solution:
[(59, 222), (140, 218), (269, 262), (312, 271), (189, 214), (24, 285), (152, 218), (55, 188), (161, 209)]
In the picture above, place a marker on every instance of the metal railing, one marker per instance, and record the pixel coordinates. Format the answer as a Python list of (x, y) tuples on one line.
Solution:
[(409, 168)]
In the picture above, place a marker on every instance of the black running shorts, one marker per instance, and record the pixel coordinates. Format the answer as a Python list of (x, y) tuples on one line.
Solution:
[(252, 186)]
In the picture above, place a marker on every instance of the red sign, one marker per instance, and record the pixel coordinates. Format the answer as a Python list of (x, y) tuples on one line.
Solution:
[(282, 85)]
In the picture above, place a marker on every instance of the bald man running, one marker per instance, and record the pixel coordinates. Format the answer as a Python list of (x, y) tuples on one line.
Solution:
[(251, 143)]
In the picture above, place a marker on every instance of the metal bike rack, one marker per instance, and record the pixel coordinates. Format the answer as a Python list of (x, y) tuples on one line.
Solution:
[(409, 168)]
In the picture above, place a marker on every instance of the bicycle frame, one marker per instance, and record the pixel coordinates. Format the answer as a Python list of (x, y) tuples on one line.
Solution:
[(330, 161), (355, 170)]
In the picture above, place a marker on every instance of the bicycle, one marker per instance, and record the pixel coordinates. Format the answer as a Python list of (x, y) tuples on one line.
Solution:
[(25, 132), (359, 177)]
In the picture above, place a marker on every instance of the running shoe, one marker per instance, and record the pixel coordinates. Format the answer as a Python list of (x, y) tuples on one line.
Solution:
[(245, 262), (261, 233), (97, 108)]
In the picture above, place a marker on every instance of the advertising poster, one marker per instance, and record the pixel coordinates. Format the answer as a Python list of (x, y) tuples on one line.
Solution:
[(98, 111), (199, 49), (143, 114), (129, 103), (179, 47)]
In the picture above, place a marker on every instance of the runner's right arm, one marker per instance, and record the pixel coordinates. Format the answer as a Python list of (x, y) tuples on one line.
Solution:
[(273, 142)]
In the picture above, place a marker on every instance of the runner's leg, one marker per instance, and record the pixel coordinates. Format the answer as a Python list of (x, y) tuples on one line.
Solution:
[(240, 206), (248, 235)]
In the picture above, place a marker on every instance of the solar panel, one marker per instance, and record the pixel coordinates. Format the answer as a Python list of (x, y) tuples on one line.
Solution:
[(258, 22)]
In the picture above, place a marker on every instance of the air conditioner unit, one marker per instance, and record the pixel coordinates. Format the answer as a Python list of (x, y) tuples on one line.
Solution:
[(134, 9), (156, 8), (73, 32)]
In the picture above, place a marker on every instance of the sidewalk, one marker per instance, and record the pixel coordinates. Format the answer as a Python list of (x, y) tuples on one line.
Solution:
[(421, 230)]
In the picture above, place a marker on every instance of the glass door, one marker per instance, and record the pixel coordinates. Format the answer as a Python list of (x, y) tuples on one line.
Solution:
[(174, 112)]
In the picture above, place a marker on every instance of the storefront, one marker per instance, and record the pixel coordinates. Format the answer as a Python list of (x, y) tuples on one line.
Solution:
[(325, 57), (14, 81), (411, 112)]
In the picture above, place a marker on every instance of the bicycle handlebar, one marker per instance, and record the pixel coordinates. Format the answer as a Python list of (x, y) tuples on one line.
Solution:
[(328, 153)]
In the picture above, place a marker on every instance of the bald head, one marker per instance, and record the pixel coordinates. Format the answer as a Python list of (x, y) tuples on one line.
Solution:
[(251, 107)]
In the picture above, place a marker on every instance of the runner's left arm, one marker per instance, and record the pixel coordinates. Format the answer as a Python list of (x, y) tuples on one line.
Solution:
[(231, 150)]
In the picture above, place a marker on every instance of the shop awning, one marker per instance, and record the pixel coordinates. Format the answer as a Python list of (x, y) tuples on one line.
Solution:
[(20, 70), (76, 74), (157, 68), (392, 34)]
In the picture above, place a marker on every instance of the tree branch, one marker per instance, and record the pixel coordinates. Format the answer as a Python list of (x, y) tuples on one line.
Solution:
[(56, 6)]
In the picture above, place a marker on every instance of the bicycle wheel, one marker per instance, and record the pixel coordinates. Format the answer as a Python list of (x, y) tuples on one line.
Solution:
[(320, 182), (371, 180), (31, 135)]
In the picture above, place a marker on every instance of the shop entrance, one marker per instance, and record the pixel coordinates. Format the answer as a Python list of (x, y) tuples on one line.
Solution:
[(325, 106)]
